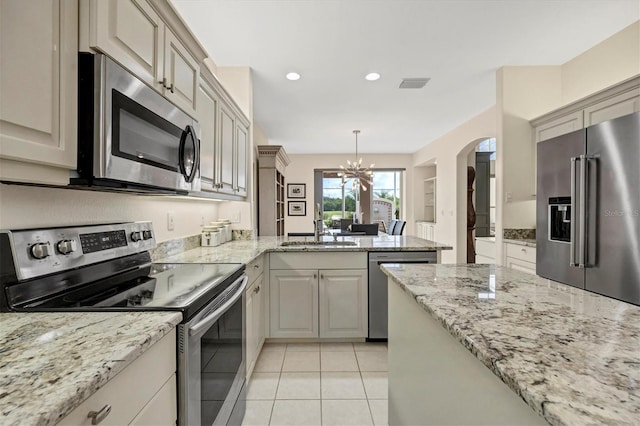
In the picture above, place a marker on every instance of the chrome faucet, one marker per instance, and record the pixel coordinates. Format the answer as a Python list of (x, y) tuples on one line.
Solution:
[(316, 230)]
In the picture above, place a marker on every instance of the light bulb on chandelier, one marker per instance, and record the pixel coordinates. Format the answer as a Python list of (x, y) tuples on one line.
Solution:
[(355, 172)]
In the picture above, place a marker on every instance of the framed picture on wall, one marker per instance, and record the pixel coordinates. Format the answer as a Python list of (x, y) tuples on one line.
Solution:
[(297, 208), (296, 190)]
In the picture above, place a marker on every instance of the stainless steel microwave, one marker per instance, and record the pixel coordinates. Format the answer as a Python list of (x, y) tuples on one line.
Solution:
[(130, 137)]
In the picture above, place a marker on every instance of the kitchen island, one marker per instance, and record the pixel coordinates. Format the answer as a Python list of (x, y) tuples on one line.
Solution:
[(51, 362), (571, 355)]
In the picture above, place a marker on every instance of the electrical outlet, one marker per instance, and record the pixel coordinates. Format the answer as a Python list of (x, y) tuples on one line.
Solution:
[(171, 219)]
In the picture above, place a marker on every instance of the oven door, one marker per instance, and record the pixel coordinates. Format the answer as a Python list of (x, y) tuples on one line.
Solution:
[(146, 139), (211, 360)]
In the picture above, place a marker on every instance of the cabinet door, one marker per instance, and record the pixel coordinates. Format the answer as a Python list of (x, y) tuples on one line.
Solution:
[(206, 114), (560, 126), (293, 303), (181, 71), (343, 303), (521, 265), (242, 141), (132, 33), (38, 86), (254, 321), (225, 153), (617, 106)]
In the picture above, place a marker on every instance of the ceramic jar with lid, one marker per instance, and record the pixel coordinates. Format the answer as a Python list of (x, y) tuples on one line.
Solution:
[(226, 224), (211, 236)]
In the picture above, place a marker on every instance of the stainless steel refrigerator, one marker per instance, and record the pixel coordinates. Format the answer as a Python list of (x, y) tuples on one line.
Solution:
[(588, 208)]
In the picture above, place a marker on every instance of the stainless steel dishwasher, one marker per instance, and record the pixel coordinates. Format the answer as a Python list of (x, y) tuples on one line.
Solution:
[(378, 315)]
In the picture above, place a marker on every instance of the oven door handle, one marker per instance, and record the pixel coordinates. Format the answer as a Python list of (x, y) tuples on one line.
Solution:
[(214, 316)]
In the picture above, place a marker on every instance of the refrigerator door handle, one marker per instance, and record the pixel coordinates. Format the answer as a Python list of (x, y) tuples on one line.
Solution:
[(583, 212), (572, 225)]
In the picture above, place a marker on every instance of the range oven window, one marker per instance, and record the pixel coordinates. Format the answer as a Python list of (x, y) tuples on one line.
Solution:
[(221, 361), (143, 136)]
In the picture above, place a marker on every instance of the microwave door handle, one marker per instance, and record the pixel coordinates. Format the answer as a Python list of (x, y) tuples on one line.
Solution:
[(204, 324), (572, 225), (583, 211), (188, 131)]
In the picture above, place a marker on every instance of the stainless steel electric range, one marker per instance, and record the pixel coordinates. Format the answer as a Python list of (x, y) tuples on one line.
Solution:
[(109, 268)]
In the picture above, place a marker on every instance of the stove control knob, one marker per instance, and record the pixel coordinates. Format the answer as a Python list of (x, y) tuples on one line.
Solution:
[(41, 250), (136, 236), (146, 235), (67, 246)]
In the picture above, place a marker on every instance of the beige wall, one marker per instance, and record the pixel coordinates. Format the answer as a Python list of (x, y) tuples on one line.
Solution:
[(607, 63), (451, 153), (301, 168), (30, 207)]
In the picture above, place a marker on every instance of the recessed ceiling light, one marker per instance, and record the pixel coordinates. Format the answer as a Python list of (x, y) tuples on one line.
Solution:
[(293, 76), (372, 76)]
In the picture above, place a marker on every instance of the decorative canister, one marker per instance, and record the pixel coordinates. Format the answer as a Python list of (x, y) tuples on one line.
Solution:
[(210, 236), (226, 223)]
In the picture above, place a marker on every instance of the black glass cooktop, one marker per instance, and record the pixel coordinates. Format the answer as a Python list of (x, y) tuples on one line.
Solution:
[(184, 287)]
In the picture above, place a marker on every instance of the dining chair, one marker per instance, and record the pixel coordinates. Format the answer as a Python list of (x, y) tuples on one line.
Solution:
[(397, 230)]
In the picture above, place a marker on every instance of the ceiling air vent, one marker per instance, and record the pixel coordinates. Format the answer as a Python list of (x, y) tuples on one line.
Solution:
[(413, 83)]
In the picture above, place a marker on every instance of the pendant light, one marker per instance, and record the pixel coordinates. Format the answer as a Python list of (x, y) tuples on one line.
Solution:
[(355, 172)]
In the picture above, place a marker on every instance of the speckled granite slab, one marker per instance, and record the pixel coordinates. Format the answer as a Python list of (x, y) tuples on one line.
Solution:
[(51, 362), (243, 251), (519, 234), (523, 242), (572, 355)]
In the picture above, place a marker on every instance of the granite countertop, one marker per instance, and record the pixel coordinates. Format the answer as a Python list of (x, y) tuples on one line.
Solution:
[(523, 242), (244, 251), (572, 355), (51, 362)]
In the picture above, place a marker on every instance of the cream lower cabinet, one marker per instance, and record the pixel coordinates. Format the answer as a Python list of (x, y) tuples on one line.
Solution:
[(521, 258), (327, 302), (343, 303), (38, 90), (255, 311), (426, 230), (144, 393)]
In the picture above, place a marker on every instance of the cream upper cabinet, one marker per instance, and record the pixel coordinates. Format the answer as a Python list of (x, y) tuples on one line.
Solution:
[(614, 102), (560, 126), (242, 141), (134, 34), (206, 114), (131, 32), (617, 106), (181, 72), (38, 87), (224, 140), (225, 151)]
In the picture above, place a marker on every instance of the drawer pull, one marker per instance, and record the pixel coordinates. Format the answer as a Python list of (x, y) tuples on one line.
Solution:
[(524, 250), (257, 289), (98, 416), (256, 266)]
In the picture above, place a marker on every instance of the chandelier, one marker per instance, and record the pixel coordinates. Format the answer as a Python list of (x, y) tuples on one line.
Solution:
[(355, 172)]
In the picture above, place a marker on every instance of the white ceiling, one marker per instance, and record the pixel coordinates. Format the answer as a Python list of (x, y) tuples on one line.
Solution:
[(459, 44)]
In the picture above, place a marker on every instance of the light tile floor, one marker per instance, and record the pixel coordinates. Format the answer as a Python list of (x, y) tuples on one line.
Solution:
[(319, 384)]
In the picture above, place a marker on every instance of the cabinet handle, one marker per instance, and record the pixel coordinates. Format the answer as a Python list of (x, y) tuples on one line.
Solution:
[(256, 266), (163, 82), (256, 290), (315, 275), (98, 416), (322, 276), (171, 88)]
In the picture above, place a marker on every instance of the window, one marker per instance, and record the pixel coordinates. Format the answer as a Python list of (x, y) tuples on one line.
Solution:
[(380, 203)]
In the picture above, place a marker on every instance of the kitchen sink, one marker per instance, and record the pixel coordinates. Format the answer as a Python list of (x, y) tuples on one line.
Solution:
[(318, 243)]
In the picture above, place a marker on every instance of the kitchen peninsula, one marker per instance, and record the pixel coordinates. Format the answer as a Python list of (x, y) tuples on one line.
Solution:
[(571, 355)]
